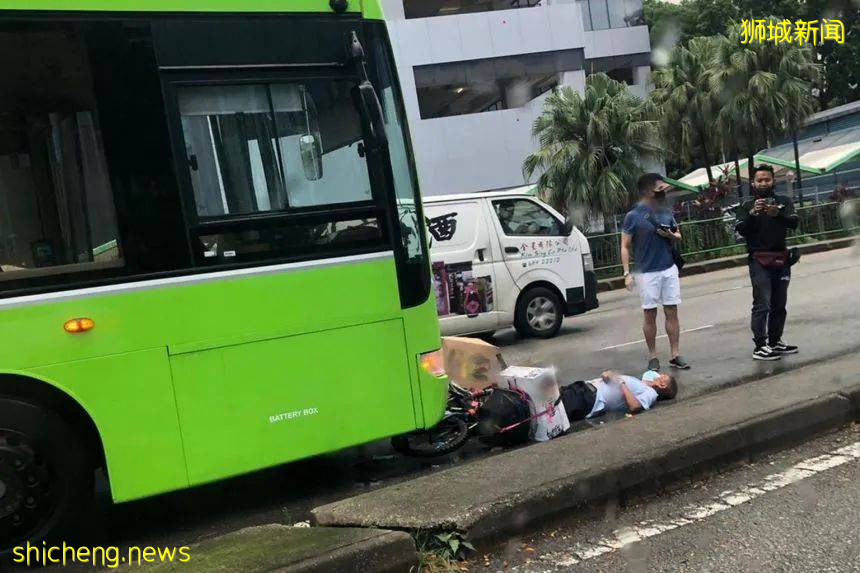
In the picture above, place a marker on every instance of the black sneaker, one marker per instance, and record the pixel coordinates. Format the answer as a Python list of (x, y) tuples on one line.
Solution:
[(765, 353), (783, 348), (679, 363), (654, 364)]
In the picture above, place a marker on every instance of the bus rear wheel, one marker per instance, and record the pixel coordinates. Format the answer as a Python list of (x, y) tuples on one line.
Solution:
[(46, 480)]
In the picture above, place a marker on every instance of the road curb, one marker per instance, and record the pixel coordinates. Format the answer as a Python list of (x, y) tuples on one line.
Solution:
[(284, 549), (497, 497), (701, 267)]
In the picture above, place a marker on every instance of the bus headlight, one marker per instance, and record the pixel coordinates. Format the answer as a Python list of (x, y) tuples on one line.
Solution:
[(433, 363), (587, 262)]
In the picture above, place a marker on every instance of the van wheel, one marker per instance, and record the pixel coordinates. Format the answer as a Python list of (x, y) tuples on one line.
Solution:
[(46, 480), (538, 313)]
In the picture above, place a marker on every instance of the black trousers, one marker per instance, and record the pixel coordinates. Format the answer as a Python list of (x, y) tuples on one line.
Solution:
[(770, 295), (578, 399)]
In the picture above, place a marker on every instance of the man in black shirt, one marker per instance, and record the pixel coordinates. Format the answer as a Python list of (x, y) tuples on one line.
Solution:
[(764, 221)]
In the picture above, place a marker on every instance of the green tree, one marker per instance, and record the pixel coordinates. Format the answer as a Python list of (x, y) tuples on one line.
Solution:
[(590, 146), (840, 76), (764, 89), (689, 18), (687, 104)]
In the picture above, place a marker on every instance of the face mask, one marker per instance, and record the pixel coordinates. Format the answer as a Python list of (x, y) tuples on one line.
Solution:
[(660, 197), (763, 191)]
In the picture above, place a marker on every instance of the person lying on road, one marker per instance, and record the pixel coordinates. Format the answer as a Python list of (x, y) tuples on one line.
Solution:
[(614, 392)]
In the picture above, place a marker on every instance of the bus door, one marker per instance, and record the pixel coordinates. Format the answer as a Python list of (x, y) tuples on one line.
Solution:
[(298, 346)]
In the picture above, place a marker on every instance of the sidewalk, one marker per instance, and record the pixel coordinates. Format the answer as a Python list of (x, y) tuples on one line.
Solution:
[(708, 266), (499, 496)]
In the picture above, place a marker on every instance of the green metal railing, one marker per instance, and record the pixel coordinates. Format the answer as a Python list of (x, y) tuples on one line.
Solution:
[(712, 238)]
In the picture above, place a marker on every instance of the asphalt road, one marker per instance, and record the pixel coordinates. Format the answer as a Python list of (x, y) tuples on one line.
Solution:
[(809, 521), (823, 318)]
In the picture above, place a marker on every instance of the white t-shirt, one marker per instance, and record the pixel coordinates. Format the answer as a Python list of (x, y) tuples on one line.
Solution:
[(610, 398)]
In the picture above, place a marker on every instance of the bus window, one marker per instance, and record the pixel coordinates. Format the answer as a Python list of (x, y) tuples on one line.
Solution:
[(57, 210), (244, 146), (87, 190)]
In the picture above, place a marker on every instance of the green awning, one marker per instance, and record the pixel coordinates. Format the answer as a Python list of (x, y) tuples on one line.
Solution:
[(698, 179), (817, 155), (680, 185)]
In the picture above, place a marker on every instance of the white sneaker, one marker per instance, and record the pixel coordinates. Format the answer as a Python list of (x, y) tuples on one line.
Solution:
[(765, 353), (783, 348)]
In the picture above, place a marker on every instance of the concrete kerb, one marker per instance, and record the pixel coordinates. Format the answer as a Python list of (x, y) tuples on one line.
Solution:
[(701, 267), (760, 416), (724, 446)]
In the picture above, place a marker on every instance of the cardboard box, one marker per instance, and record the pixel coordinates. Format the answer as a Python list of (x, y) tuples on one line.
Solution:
[(471, 362), (541, 386)]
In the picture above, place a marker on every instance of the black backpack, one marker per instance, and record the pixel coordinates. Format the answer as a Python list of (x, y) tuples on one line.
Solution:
[(504, 419)]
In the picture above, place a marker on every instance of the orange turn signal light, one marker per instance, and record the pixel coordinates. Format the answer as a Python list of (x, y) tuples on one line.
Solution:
[(433, 363), (78, 325)]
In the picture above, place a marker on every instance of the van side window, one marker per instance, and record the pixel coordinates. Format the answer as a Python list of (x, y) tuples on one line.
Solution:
[(521, 217)]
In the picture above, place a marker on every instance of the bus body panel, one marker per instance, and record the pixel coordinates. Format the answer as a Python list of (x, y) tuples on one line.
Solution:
[(210, 313), (312, 393), (422, 335), (130, 400), (262, 320)]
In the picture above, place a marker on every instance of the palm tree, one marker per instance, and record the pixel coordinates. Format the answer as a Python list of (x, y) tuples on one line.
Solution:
[(764, 89), (590, 146), (687, 104)]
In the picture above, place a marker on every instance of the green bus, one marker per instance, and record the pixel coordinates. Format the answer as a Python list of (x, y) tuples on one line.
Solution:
[(211, 243)]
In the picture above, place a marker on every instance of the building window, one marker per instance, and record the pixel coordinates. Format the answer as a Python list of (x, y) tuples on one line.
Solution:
[(619, 68), (431, 8), (491, 84), (606, 14)]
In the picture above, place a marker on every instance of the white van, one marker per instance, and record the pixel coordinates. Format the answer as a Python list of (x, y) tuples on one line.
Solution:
[(505, 258)]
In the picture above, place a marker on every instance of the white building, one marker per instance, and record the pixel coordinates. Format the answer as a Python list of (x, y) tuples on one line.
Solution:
[(475, 74)]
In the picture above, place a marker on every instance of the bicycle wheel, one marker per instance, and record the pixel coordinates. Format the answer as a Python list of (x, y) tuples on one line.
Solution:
[(445, 437)]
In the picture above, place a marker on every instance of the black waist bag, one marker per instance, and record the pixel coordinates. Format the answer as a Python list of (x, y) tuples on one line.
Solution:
[(504, 419), (578, 400), (678, 259)]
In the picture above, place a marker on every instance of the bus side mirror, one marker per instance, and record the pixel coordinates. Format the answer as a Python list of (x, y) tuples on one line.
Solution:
[(311, 152)]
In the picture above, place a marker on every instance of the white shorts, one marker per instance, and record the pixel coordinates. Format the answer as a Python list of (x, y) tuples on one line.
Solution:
[(661, 288)]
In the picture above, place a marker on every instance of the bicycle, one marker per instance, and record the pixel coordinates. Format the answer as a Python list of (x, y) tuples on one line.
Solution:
[(458, 424), (465, 416)]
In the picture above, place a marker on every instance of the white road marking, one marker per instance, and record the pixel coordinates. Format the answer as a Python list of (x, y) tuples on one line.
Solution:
[(661, 336), (643, 530)]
